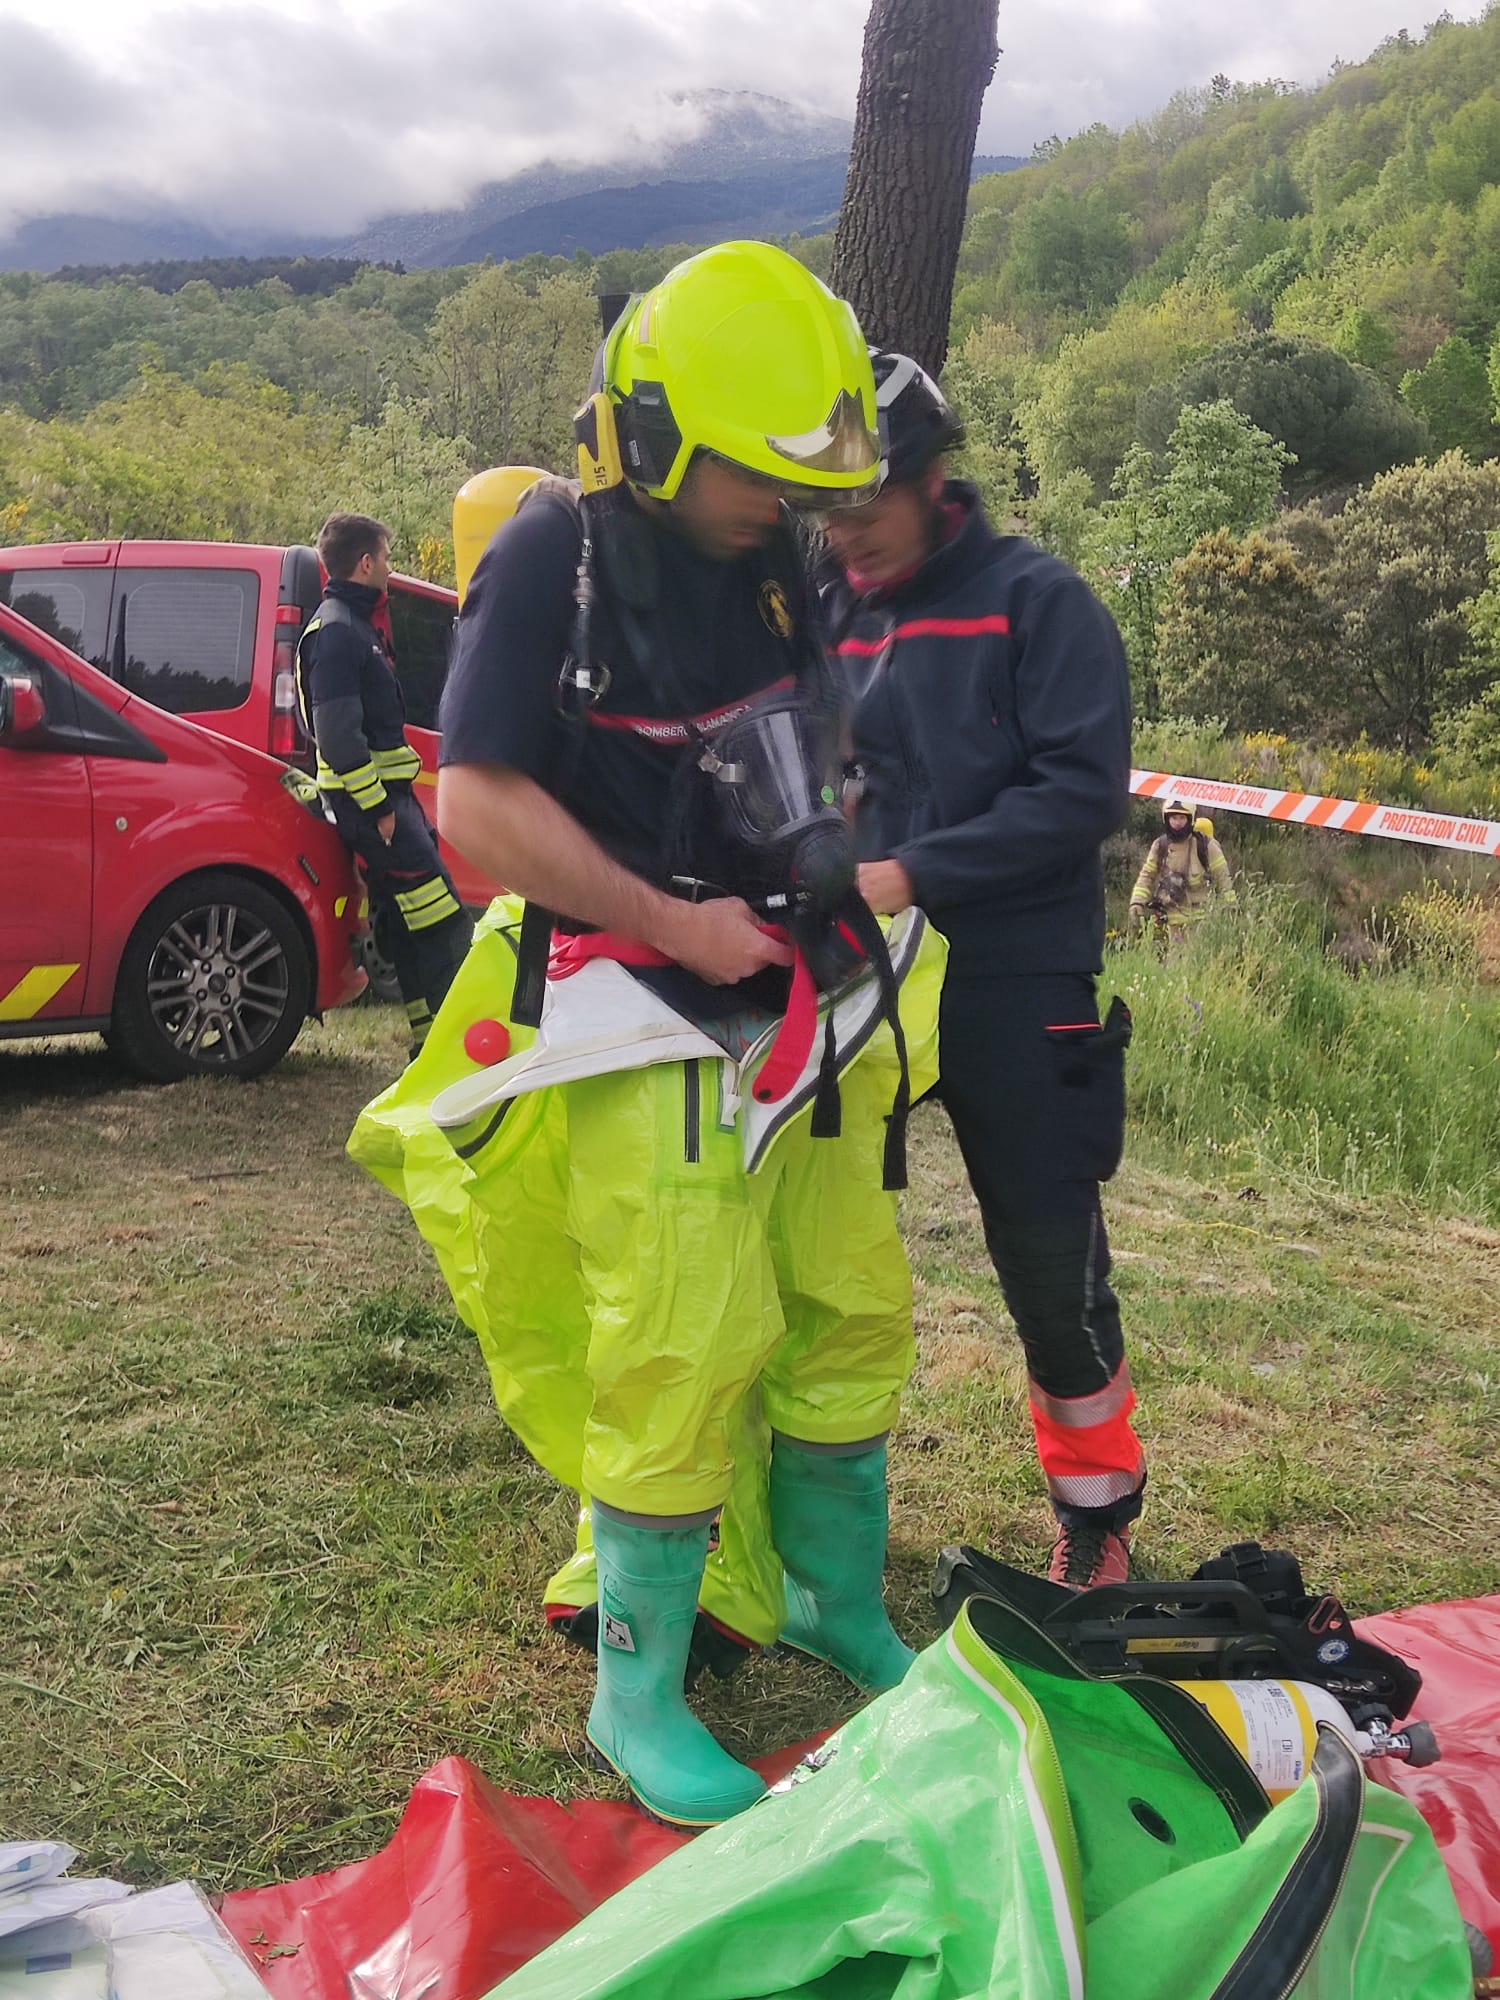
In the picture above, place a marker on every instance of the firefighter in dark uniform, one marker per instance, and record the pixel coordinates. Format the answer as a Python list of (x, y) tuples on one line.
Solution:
[(991, 727), (351, 705)]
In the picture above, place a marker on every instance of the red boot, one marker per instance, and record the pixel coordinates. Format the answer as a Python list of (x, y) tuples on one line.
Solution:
[(1087, 1553)]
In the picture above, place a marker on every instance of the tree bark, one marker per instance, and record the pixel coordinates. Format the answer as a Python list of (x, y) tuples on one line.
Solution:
[(927, 65)]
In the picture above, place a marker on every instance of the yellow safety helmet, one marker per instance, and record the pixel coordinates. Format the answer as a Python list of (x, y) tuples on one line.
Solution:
[(1174, 806), (742, 352), (483, 504)]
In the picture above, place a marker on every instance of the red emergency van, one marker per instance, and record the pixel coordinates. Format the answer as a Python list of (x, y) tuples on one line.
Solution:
[(209, 630), (177, 891)]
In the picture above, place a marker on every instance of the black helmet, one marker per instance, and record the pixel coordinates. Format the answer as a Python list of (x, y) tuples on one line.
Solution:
[(917, 422)]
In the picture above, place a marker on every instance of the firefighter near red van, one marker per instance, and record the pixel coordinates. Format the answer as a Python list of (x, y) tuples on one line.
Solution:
[(352, 709)]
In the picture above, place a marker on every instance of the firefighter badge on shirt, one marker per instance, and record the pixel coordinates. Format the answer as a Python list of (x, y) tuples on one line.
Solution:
[(774, 609)]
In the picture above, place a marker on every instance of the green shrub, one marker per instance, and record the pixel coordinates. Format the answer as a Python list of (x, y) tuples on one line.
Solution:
[(1438, 930)]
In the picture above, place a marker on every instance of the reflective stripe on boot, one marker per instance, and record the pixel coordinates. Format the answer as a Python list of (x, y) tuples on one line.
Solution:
[(640, 1723), (829, 1520)]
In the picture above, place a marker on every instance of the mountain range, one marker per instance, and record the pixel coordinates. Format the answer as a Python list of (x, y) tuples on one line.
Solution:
[(757, 166)]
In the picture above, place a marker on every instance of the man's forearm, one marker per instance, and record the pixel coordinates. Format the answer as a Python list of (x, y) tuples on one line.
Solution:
[(508, 826)]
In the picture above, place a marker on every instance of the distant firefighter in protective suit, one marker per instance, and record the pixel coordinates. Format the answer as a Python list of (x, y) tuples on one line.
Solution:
[(670, 1216), (1183, 876), (352, 708)]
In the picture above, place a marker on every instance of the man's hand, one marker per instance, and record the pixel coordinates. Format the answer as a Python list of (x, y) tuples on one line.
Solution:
[(385, 826), (886, 887), (723, 940), (518, 834)]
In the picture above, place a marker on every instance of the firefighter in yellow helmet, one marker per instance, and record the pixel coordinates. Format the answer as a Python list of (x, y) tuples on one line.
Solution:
[(1183, 875), (674, 1230)]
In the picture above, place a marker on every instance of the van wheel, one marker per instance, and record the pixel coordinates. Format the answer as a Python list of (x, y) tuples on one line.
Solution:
[(215, 981), (375, 955)]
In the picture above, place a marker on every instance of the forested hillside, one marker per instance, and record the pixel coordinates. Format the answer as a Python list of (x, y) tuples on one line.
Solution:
[(1238, 362), (250, 410)]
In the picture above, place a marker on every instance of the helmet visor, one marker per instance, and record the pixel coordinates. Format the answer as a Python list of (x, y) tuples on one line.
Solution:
[(797, 494), (844, 446)]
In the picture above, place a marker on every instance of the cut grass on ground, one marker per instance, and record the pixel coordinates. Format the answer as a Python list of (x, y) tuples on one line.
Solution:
[(269, 1551)]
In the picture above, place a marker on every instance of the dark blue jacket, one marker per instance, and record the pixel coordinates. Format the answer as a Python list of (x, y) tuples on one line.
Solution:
[(991, 713), (351, 699)]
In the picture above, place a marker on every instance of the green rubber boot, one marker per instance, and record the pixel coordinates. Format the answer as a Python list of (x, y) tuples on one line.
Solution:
[(640, 1723), (829, 1519)]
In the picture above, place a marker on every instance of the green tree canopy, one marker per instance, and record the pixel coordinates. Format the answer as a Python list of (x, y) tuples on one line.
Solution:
[(1245, 634), (1069, 256), (507, 365), (985, 380), (1451, 395), (1221, 473), (1407, 556), (229, 461), (1082, 413), (1339, 422), (406, 475)]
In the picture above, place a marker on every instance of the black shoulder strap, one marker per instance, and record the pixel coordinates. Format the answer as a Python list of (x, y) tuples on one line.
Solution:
[(330, 611), (1202, 840), (534, 944), (334, 611)]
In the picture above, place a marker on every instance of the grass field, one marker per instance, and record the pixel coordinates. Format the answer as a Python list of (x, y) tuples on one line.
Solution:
[(268, 1551)]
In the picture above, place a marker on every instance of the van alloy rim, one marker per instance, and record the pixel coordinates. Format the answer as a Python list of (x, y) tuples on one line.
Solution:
[(218, 983)]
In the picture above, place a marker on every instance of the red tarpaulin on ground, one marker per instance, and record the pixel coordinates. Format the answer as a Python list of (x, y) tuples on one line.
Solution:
[(475, 1880), (1456, 1650)]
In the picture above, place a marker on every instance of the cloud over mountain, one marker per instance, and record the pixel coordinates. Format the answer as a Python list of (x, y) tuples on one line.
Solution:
[(304, 115)]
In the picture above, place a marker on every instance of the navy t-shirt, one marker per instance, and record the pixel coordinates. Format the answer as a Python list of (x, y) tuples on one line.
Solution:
[(632, 780)]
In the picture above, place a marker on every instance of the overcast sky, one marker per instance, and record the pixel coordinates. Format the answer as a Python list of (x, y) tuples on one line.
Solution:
[(317, 115)]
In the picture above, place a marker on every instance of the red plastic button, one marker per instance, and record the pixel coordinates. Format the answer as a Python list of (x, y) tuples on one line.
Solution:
[(486, 1042)]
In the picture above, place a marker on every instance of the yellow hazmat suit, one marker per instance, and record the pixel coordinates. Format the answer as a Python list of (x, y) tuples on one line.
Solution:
[(660, 1271)]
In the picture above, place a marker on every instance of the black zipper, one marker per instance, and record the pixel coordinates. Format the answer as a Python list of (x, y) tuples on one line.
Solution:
[(911, 763), (1282, 1945), (692, 1114)]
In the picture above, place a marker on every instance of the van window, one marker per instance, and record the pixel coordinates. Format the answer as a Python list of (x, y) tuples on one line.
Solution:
[(185, 638), (422, 636), (69, 605)]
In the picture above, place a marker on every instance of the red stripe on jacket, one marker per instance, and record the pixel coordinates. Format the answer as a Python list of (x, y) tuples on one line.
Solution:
[(928, 628)]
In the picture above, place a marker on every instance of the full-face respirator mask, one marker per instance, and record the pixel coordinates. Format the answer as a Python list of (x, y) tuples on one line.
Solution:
[(774, 773)]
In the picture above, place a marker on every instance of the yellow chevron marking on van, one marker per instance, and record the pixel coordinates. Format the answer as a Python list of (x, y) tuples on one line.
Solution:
[(41, 984)]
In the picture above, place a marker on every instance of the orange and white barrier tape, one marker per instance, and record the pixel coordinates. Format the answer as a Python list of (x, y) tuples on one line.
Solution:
[(1470, 836)]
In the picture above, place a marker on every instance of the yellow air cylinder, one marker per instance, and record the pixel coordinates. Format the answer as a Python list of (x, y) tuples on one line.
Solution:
[(1273, 1725), (483, 504)]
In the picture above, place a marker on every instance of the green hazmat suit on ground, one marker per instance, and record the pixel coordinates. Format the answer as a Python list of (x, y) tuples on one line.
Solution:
[(1002, 1827)]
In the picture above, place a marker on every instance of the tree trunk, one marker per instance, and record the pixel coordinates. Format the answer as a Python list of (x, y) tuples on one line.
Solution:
[(927, 64)]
